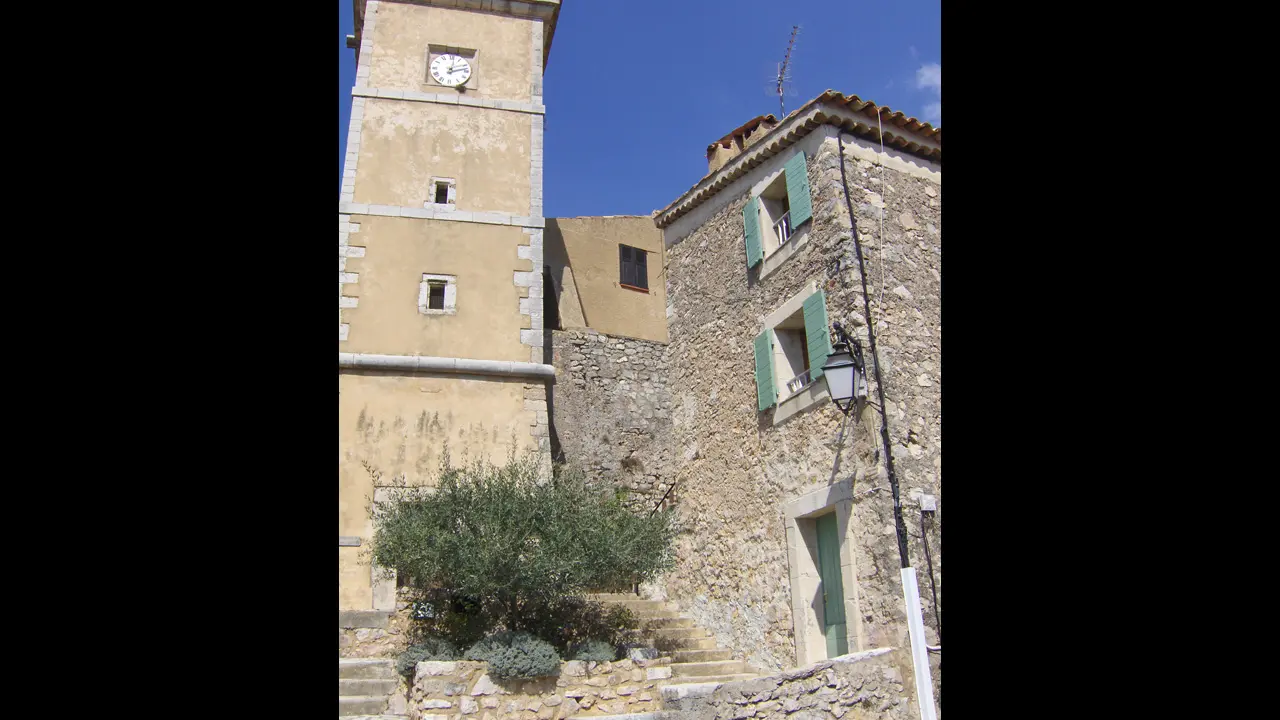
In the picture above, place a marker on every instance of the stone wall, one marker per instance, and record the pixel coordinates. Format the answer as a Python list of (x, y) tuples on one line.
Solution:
[(375, 634), (871, 684), (732, 573), (461, 689), (611, 411)]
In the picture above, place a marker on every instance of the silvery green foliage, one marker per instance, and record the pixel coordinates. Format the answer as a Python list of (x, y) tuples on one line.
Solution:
[(516, 655), (516, 542), (429, 649), (595, 650)]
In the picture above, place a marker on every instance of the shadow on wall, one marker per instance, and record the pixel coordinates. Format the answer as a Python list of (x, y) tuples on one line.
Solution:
[(548, 357)]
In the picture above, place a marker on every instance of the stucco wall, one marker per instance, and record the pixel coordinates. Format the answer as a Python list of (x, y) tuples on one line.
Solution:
[(404, 144), (400, 425), (732, 571), (398, 251), (611, 411), (404, 31), (589, 246)]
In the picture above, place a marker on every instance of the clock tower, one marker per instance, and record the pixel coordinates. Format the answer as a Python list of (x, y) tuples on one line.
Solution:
[(440, 256)]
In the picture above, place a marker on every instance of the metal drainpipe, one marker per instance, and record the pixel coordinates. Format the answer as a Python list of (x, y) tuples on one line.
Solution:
[(910, 591)]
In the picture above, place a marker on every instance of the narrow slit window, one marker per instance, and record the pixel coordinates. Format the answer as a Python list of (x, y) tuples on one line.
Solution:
[(442, 193)]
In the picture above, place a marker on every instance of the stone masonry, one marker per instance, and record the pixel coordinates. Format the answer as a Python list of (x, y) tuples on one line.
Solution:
[(459, 689), (612, 411), (731, 573), (872, 684)]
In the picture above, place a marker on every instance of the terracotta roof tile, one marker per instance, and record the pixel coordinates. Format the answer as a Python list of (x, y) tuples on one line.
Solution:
[(864, 123)]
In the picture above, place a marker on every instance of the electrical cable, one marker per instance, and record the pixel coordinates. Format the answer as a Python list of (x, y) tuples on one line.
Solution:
[(937, 612), (884, 200), (899, 526)]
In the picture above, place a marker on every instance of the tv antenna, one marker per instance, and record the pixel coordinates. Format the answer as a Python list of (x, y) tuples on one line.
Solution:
[(784, 73)]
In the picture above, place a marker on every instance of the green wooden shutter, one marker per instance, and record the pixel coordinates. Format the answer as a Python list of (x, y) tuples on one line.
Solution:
[(751, 229), (797, 172), (835, 628), (816, 334), (766, 390)]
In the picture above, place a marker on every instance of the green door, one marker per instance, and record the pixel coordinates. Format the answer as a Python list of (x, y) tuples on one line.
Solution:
[(832, 586)]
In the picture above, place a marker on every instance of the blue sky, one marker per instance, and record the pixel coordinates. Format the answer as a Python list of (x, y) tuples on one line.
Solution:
[(635, 91)]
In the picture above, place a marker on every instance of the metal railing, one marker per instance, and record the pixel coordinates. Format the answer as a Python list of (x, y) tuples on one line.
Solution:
[(798, 382), (782, 228)]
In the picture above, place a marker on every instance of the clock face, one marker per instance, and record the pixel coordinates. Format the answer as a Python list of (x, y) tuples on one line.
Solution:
[(450, 70)]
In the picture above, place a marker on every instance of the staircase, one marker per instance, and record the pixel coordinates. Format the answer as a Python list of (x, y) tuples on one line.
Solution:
[(365, 686), (695, 657)]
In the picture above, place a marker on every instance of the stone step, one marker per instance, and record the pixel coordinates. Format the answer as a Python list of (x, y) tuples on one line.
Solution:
[(361, 705), (666, 621), (639, 606), (700, 687), (714, 667), (672, 633), (659, 715), (348, 619), (366, 668), (613, 597), (696, 656), (374, 717), (366, 686), (685, 643)]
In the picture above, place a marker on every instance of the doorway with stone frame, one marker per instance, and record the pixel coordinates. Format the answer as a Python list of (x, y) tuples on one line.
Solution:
[(824, 597)]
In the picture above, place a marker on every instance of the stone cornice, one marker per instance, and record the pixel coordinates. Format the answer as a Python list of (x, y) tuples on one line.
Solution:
[(453, 98), (545, 10), (464, 366), (346, 207)]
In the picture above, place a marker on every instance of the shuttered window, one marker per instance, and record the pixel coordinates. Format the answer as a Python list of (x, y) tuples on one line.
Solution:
[(797, 172), (766, 391), (633, 267), (816, 335), (751, 231), (784, 212)]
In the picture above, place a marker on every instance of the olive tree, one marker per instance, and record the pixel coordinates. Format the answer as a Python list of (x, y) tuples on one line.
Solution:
[(509, 547)]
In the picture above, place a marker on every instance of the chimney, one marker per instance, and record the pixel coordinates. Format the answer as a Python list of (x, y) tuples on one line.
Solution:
[(730, 146)]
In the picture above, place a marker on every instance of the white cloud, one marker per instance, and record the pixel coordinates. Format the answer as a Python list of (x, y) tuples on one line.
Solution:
[(929, 77)]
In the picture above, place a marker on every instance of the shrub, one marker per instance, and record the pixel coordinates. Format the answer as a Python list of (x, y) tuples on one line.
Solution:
[(442, 614), (429, 649), (517, 544), (516, 655), (596, 651), (569, 622)]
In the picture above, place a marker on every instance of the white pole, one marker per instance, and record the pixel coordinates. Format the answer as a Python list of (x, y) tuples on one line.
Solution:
[(919, 652)]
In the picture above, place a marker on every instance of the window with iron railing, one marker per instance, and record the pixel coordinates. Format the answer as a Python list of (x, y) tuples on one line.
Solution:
[(798, 382), (782, 228)]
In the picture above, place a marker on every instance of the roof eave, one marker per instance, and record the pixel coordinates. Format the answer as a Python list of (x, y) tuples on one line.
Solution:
[(850, 113)]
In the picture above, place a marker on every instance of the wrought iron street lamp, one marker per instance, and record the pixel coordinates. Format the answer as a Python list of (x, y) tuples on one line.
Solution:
[(845, 373)]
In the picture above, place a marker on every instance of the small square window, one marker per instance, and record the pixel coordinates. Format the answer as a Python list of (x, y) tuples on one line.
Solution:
[(633, 267), (441, 191), (438, 295)]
